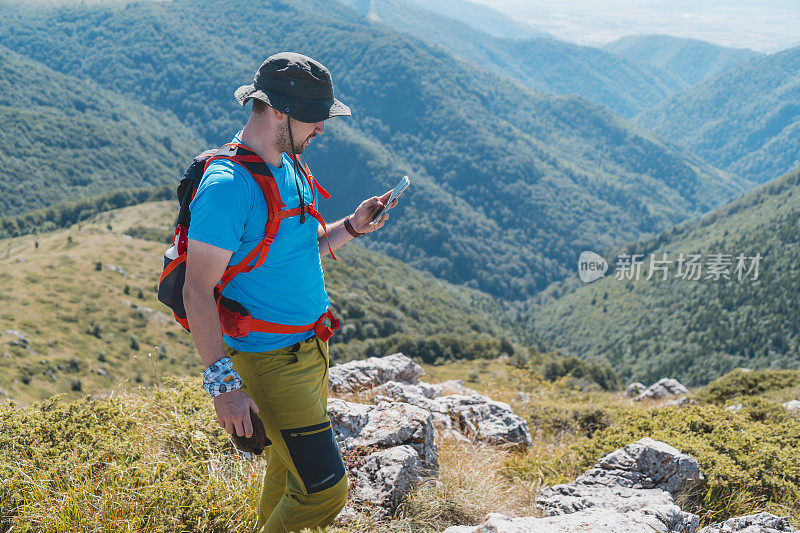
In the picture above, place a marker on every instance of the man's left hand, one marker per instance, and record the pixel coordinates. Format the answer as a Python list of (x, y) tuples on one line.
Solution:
[(361, 220)]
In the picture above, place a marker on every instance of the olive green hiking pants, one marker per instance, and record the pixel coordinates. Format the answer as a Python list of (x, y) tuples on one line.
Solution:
[(305, 484)]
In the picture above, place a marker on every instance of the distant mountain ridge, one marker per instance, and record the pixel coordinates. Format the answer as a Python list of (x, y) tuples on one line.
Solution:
[(482, 18), (503, 177), (746, 119), (547, 65), (691, 60)]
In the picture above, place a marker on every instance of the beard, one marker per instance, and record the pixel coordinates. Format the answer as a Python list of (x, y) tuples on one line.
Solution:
[(282, 143)]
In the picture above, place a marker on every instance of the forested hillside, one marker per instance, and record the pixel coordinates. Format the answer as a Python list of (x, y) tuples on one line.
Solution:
[(696, 329), (503, 177), (745, 120), (80, 312), (691, 60), (546, 65), (64, 138)]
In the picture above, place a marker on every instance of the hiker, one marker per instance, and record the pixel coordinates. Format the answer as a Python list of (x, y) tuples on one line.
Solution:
[(277, 366)]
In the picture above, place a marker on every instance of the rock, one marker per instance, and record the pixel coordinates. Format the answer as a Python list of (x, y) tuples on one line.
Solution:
[(361, 426), (522, 397), (393, 446), (793, 407), (475, 416), (665, 388), (645, 464), (734, 408), (678, 402), (634, 390), (388, 475), (452, 386), (486, 420), (641, 477), (754, 523), (406, 392), (362, 375), (346, 515), (103, 372), (595, 520)]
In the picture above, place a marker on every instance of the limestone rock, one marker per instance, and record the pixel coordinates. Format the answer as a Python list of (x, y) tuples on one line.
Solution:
[(594, 520), (635, 389), (364, 427), (793, 407), (645, 464), (388, 475), (483, 419), (734, 408), (362, 375), (754, 523), (680, 401), (394, 446), (475, 416), (642, 477), (452, 386), (664, 388)]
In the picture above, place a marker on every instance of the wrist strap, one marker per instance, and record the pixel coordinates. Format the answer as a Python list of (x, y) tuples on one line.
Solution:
[(220, 378), (350, 229)]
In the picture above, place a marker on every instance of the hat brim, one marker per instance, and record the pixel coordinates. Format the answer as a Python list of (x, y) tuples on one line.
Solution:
[(304, 110)]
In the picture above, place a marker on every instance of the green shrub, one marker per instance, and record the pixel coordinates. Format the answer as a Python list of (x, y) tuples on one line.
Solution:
[(749, 465), (755, 382), (157, 462)]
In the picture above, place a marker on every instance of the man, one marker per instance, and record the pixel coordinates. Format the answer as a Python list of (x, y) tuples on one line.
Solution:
[(281, 376)]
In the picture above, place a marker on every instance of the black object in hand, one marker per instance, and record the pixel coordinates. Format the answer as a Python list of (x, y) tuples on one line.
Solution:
[(257, 442)]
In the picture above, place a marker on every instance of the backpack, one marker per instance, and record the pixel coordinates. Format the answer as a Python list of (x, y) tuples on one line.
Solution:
[(235, 320)]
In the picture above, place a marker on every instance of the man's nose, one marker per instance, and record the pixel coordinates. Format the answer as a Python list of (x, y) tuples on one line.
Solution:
[(320, 128)]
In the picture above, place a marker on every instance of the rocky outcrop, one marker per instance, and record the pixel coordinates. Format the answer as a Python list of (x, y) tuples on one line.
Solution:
[(474, 416), (643, 476), (594, 520), (664, 388), (456, 411), (357, 376), (388, 448), (754, 523), (628, 491), (635, 389)]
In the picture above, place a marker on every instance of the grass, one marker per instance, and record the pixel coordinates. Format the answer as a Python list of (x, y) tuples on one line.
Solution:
[(154, 459), (91, 288)]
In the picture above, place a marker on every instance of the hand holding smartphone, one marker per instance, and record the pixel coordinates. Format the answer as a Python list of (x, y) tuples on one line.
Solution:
[(398, 190)]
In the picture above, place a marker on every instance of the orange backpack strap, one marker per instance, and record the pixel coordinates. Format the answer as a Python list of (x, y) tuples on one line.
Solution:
[(255, 166), (314, 185)]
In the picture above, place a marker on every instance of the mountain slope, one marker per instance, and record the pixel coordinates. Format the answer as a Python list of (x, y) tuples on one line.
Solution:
[(691, 60), (481, 18), (64, 138), (695, 330), (745, 120), (503, 177), (546, 65), (79, 304)]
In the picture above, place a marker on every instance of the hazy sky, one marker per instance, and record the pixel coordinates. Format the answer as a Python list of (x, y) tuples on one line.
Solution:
[(765, 25)]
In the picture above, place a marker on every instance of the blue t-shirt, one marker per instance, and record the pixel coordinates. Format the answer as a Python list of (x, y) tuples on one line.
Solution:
[(229, 211)]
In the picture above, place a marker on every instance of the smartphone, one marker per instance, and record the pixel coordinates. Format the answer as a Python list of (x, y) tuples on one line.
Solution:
[(398, 190)]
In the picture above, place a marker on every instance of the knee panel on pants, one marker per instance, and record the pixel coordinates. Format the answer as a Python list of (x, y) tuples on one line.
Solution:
[(315, 455)]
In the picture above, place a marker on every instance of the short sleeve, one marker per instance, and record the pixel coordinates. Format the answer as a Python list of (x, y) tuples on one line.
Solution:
[(220, 208)]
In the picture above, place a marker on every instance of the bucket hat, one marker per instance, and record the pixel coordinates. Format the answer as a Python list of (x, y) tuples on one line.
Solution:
[(296, 85)]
